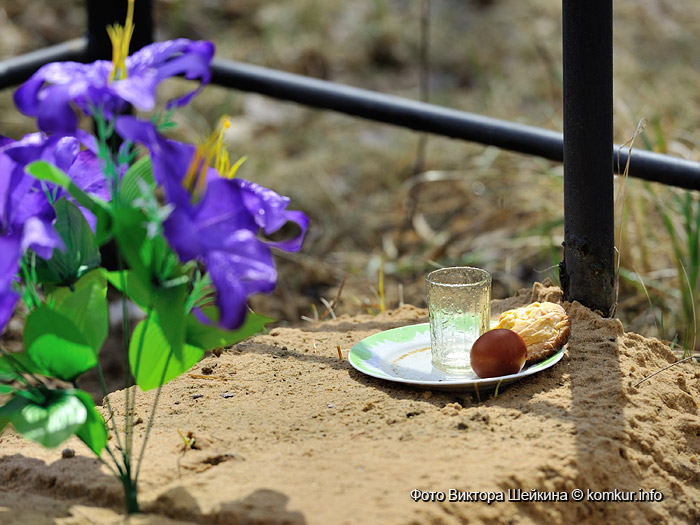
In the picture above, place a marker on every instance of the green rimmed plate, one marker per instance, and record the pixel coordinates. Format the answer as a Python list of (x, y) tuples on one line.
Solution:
[(402, 355)]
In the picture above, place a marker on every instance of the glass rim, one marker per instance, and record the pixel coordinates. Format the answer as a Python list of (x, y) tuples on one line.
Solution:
[(486, 277)]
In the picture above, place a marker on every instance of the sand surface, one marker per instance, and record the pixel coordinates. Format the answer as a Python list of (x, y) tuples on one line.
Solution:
[(287, 432)]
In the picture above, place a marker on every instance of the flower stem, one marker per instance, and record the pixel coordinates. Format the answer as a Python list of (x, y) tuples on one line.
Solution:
[(108, 149), (110, 411), (152, 416), (131, 501)]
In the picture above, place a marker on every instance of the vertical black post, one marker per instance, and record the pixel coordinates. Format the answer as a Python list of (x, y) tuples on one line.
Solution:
[(102, 13), (588, 269)]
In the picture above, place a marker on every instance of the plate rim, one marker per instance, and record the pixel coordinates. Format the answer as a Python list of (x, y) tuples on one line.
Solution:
[(357, 363)]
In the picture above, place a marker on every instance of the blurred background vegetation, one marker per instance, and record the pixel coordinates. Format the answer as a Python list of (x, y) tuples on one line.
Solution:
[(387, 204)]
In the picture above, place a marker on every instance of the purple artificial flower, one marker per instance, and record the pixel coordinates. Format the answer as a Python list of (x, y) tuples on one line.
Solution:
[(49, 92), (9, 265), (26, 214), (65, 152), (25, 223), (8, 300), (217, 219), (170, 158)]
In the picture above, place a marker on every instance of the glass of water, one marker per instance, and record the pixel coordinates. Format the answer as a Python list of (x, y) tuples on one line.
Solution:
[(459, 305)]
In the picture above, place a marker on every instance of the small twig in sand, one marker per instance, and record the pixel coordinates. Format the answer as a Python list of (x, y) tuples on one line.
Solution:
[(340, 353), (314, 310), (200, 376), (664, 368), (189, 441), (329, 308), (334, 303), (495, 394)]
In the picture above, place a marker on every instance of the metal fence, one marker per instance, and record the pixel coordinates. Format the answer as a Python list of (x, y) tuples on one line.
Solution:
[(586, 146)]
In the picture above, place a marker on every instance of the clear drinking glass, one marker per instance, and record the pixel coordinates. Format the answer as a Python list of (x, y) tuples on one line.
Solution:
[(459, 305)]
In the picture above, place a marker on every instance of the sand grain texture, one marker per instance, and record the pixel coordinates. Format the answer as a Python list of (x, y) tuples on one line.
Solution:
[(286, 432)]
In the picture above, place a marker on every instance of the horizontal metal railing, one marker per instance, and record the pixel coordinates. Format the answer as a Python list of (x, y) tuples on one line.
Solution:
[(384, 108), (15, 70), (440, 120)]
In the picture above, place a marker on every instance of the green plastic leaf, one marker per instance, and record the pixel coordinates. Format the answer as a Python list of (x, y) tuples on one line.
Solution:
[(13, 406), (130, 233), (94, 431), (138, 174), (165, 264), (54, 343), (52, 423), (209, 337), (133, 288), (81, 253), (36, 395), (6, 389), (200, 287), (151, 358), (170, 306), (86, 305), (168, 301), (17, 363)]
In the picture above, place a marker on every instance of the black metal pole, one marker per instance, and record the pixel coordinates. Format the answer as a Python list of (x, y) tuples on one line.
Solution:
[(588, 269)]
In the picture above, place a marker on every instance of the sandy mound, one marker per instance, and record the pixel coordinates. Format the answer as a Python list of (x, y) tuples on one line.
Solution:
[(286, 432)]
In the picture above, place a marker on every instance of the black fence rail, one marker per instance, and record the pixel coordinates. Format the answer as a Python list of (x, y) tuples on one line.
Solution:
[(586, 147)]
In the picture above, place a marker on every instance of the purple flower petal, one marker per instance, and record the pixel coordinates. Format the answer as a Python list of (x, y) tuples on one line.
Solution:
[(242, 268), (51, 91), (83, 167), (270, 212), (65, 151), (32, 203), (245, 255), (55, 114), (221, 211), (231, 297), (39, 236), (8, 300), (266, 206), (86, 171), (139, 90), (9, 265), (6, 186), (170, 158), (183, 236), (9, 262), (176, 57)]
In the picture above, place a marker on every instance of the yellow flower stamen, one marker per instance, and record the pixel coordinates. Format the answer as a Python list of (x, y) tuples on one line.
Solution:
[(196, 174), (232, 172), (211, 152), (121, 38)]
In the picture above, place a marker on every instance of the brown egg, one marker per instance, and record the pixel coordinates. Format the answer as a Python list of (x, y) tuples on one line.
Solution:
[(498, 352)]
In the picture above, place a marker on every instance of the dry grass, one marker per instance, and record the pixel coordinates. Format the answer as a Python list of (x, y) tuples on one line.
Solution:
[(472, 204)]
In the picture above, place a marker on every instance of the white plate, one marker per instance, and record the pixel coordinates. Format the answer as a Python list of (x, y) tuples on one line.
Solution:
[(402, 355)]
